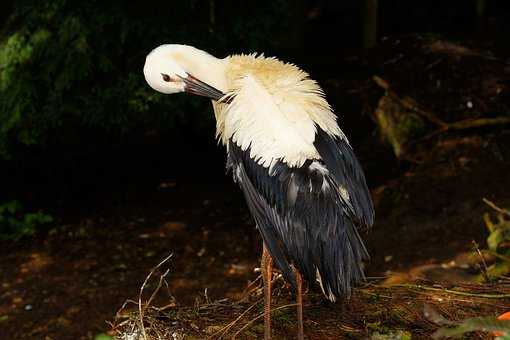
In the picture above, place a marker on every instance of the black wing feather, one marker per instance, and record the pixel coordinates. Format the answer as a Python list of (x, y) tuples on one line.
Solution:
[(262, 213), (339, 158), (303, 219)]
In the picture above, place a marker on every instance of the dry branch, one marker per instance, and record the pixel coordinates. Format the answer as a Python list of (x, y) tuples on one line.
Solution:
[(408, 102), (411, 105), (495, 207), (141, 309)]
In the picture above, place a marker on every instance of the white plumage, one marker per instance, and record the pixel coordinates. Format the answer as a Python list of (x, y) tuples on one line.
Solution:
[(301, 180), (275, 105)]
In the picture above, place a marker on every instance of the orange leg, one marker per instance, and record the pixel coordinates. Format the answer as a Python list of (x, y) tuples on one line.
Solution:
[(299, 283), (267, 273)]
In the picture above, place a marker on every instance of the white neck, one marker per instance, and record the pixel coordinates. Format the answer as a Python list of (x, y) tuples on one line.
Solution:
[(201, 65)]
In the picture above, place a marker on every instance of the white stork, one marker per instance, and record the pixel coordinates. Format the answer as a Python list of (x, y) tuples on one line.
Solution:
[(301, 180)]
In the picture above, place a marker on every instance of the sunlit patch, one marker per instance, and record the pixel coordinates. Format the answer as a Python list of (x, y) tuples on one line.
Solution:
[(181, 283), (36, 262), (236, 269), (165, 229), (173, 226), (167, 185), (85, 264)]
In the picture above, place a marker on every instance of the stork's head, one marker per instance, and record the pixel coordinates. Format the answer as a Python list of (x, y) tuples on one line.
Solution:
[(171, 69), (162, 72)]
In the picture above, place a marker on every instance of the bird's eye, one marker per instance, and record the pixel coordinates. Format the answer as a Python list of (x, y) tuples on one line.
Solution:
[(166, 77)]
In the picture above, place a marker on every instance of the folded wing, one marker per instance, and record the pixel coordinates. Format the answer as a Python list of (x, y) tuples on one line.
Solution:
[(304, 218)]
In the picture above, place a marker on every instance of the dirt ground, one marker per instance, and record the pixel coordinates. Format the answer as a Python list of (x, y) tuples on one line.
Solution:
[(68, 282)]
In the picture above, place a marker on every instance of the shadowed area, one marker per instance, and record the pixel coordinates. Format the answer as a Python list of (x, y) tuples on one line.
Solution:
[(101, 178)]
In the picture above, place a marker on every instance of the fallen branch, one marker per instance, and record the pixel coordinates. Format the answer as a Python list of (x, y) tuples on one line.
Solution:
[(495, 207), (408, 103), (479, 122)]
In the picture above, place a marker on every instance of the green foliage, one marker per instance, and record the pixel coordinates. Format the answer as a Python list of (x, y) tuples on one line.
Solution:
[(14, 223), (411, 126), (391, 335), (481, 324), (380, 331), (69, 70), (498, 243), (397, 124), (499, 234)]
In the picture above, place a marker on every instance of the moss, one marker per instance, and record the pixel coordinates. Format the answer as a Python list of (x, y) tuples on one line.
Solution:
[(392, 335), (397, 125), (410, 126)]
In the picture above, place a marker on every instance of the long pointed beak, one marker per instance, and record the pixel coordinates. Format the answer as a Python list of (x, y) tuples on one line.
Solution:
[(196, 86)]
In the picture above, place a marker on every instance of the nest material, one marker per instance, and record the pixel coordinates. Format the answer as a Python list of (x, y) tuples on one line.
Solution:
[(373, 309), (416, 309)]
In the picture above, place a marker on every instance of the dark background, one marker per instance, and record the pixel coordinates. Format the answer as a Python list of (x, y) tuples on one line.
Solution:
[(77, 117), (101, 177)]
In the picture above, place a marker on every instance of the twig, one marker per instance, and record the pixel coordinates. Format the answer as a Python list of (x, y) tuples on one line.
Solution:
[(365, 291), (232, 323), (488, 222), (249, 289), (165, 307), (451, 291), (140, 309), (259, 316), (431, 65), (479, 122), (118, 314), (483, 267), (499, 256), (161, 278), (495, 207)]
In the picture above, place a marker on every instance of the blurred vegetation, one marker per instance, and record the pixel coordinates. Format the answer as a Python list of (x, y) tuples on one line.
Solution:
[(501, 328), (72, 91), (15, 223), (498, 243), (71, 82), (71, 71)]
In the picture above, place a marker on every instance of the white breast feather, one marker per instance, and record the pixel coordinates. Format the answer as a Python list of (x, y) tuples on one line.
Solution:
[(274, 111), (266, 124)]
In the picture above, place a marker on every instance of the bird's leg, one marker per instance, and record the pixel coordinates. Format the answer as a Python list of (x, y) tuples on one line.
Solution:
[(299, 283), (267, 273)]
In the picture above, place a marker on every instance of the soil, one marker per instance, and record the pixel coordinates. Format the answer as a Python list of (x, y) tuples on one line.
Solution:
[(66, 283)]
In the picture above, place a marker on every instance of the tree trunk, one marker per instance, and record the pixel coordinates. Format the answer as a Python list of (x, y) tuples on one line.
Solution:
[(480, 6), (369, 23), (294, 37)]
